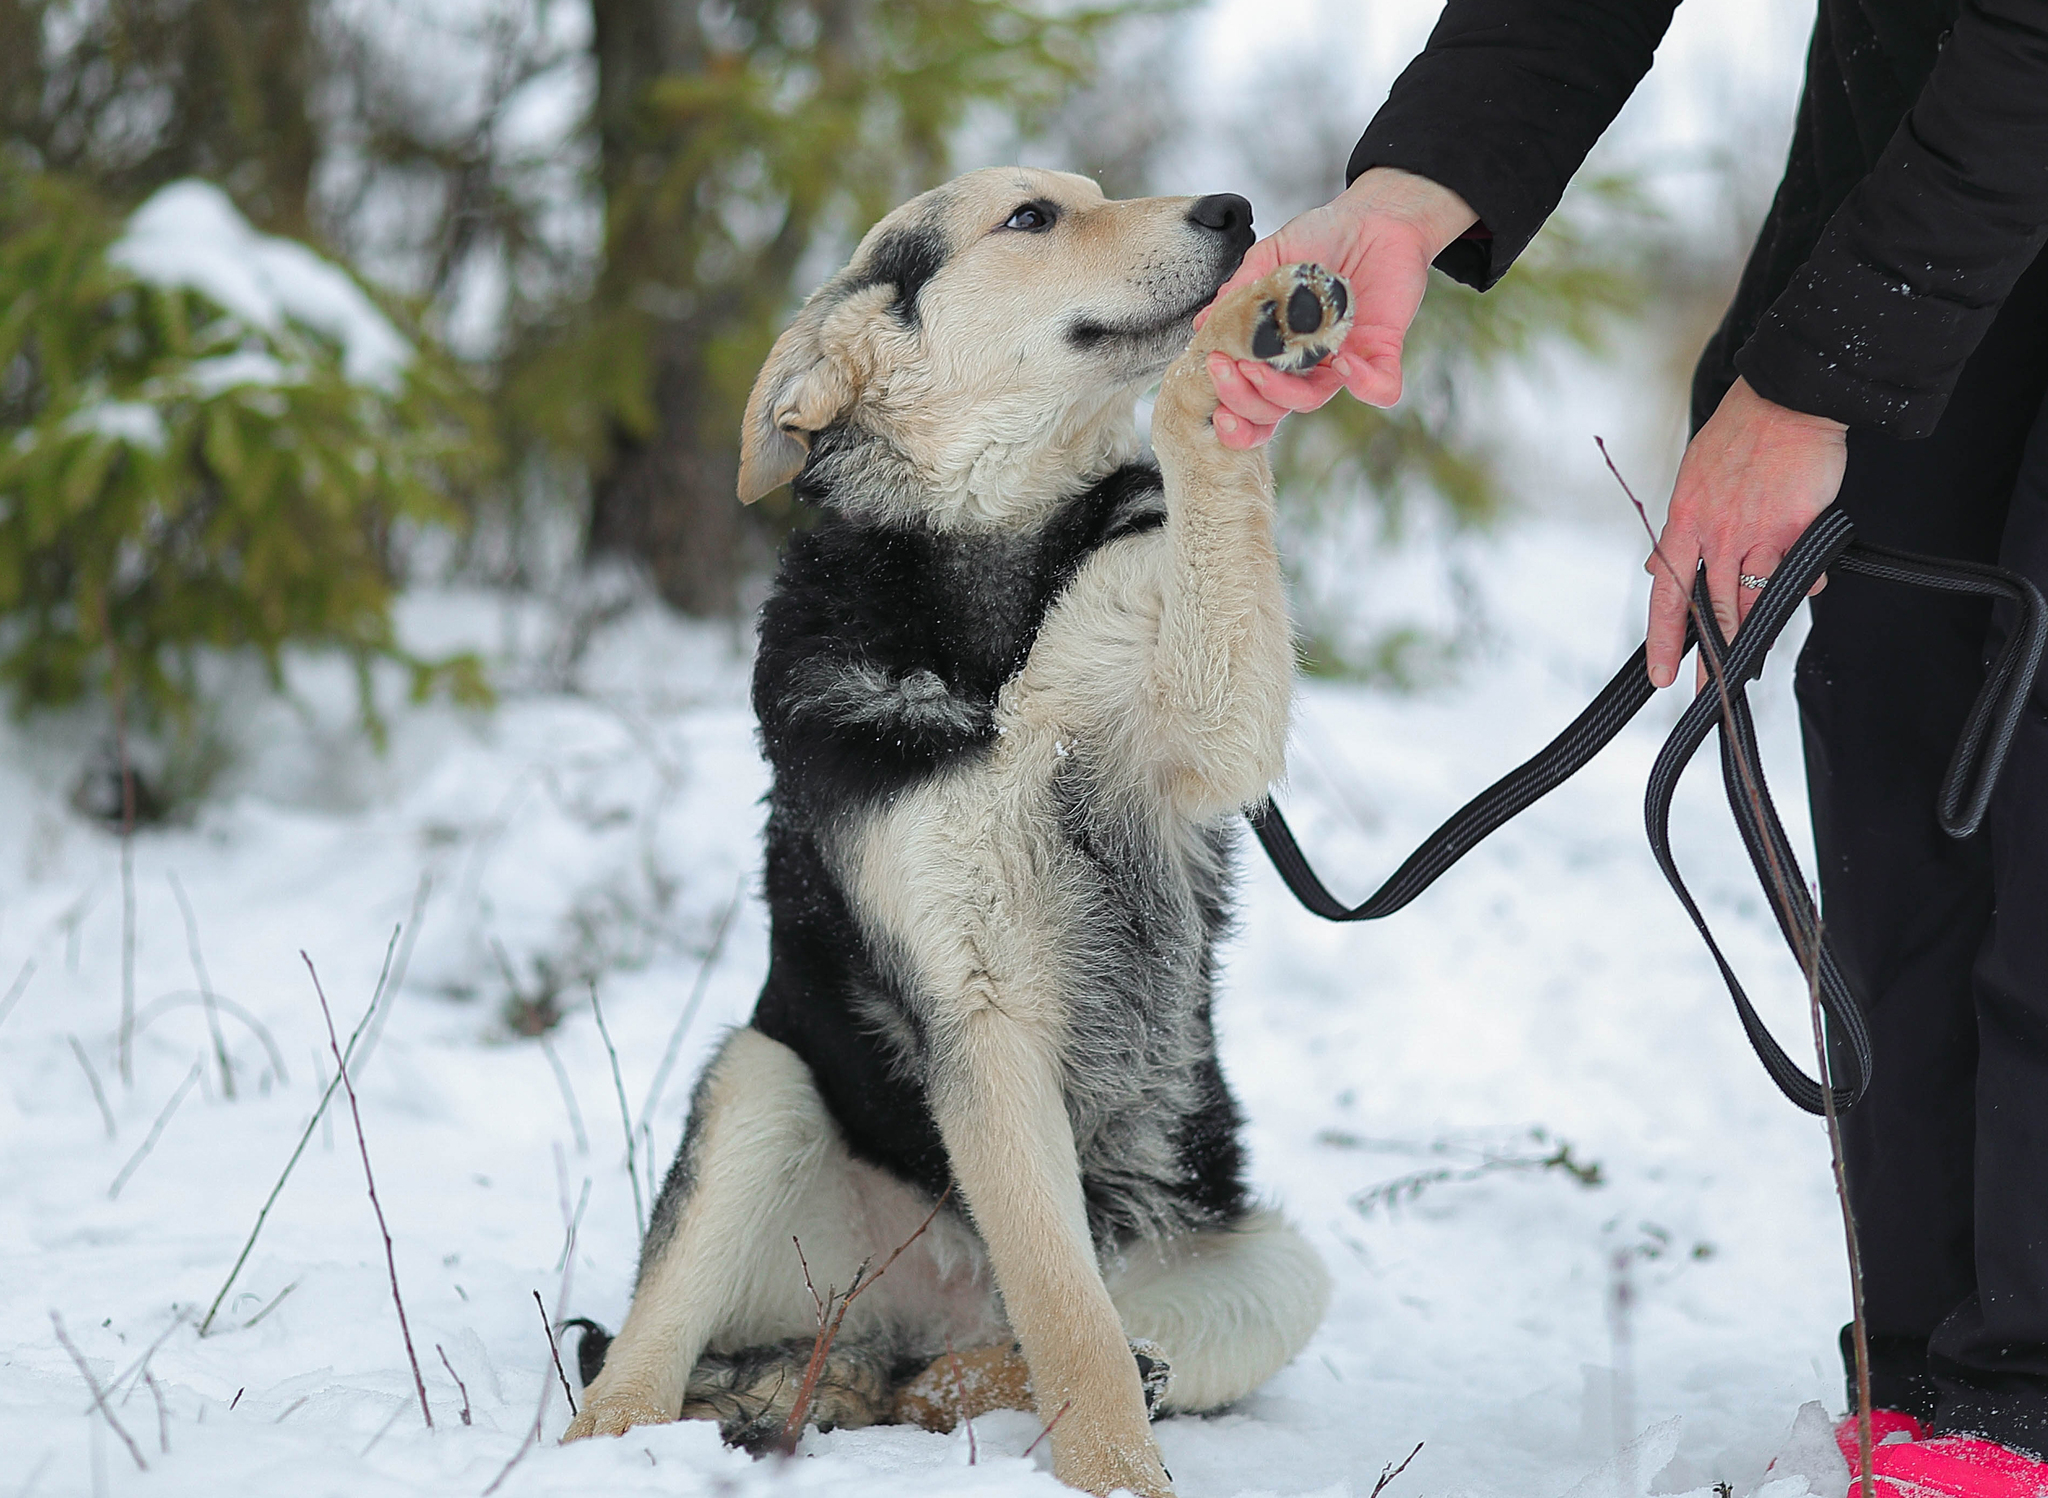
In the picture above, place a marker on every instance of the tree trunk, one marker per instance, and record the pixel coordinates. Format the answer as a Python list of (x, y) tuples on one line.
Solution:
[(664, 497)]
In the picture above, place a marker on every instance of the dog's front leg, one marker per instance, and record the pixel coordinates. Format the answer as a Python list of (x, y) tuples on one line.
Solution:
[(1000, 1109), (1223, 666)]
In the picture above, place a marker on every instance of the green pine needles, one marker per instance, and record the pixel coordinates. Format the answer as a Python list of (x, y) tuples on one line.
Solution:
[(179, 478)]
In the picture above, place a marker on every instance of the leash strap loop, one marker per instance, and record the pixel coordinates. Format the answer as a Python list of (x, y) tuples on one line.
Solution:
[(1965, 792)]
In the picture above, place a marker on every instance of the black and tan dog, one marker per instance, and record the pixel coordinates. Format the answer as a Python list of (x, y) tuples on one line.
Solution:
[(1015, 685)]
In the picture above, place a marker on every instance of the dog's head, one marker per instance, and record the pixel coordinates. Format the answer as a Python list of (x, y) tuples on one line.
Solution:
[(994, 329)]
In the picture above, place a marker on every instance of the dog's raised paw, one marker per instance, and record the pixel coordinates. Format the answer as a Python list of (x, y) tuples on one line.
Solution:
[(1298, 316)]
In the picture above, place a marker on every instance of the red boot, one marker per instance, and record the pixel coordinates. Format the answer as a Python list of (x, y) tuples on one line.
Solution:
[(1887, 1427), (1953, 1467)]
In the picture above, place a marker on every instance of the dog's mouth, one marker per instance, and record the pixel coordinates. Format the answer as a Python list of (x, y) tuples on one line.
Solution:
[(1088, 334)]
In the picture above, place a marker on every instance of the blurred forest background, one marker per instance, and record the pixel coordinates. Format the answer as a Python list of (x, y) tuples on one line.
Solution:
[(574, 228)]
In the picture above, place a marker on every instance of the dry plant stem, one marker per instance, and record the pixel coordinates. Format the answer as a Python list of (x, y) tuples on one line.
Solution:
[(554, 1350), (1781, 893), (1390, 1472), (1046, 1430), (163, 1416), (99, 1093), (142, 1363), (99, 1398), (547, 1049), (831, 1316), (1860, 1329), (459, 1384), (17, 988), (155, 1131), (147, 1015), (675, 1039), (305, 1136), (625, 1115), (275, 1301), (960, 1399), (396, 973), (120, 690), (363, 1145), (547, 1387), (220, 1045)]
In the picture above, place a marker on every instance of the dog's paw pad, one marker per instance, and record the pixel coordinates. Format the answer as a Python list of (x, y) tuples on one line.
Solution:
[(1304, 313)]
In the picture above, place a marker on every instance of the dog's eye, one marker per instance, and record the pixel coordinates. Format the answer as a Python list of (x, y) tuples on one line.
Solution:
[(1031, 218)]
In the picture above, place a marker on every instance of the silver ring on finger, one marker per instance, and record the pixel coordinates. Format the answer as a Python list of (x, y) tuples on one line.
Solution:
[(1751, 581)]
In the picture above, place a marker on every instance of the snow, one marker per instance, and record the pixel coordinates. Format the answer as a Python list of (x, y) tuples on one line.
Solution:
[(600, 821), (188, 234)]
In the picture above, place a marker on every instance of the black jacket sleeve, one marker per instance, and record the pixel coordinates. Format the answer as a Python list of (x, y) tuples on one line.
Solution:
[(1502, 107), (1875, 326)]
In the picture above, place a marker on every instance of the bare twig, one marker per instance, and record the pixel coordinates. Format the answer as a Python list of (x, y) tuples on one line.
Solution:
[(237, 1399), (547, 1049), (1788, 910), (275, 1301), (554, 1350), (305, 1135), (142, 1363), (17, 988), (675, 1039), (395, 973), (383, 1430), (1389, 1472), (363, 1145), (547, 1386), (120, 688), (1859, 1324), (220, 1045), (459, 1384), (221, 1003), (155, 1130), (99, 1094), (163, 1416), (832, 1309), (99, 1397), (1046, 1429), (960, 1399), (625, 1113)]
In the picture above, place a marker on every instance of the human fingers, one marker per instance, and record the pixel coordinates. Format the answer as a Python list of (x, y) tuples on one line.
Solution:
[(1671, 566), (1238, 395), (1387, 286), (1757, 567), (1292, 392), (1237, 433)]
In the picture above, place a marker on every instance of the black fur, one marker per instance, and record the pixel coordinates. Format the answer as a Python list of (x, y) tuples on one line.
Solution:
[(905, 259), (882, 650)]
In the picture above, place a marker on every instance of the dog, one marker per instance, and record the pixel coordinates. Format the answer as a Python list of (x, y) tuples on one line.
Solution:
[(1015, 685)]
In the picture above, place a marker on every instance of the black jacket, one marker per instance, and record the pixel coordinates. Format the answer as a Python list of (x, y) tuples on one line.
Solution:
[(1915, 194)]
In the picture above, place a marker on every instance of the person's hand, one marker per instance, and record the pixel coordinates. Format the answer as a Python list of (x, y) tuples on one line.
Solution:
[(1752, 480), (1381, 234)]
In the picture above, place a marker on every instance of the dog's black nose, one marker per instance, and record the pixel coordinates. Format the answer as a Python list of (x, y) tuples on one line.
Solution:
[(1225, 212)]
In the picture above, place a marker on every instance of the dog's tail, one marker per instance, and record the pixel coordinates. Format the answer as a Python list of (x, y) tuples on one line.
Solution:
[(590, 1348)]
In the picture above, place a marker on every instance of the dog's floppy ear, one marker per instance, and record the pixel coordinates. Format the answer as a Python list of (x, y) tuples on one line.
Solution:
[(800, 391)]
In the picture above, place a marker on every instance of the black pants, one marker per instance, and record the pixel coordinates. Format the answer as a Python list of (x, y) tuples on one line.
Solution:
[(1946, 942)]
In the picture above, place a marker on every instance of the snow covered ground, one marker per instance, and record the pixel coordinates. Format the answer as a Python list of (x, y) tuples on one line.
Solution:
[(1517, 1323)]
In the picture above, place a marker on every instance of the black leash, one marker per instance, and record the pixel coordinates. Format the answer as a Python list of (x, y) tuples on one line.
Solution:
[(1965, 791)]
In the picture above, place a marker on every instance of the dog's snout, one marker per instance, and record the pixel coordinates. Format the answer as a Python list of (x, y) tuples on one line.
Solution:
[(1224, 212)]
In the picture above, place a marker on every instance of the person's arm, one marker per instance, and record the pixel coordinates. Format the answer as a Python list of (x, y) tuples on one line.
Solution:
[(1460, 167), (1876, 325), (1503, 105)]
